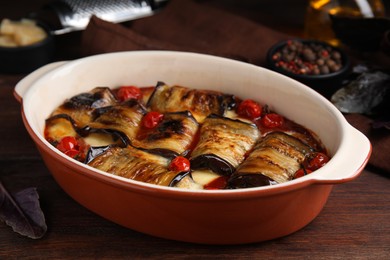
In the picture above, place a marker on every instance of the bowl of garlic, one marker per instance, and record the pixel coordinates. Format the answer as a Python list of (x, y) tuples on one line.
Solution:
[(24, 46)]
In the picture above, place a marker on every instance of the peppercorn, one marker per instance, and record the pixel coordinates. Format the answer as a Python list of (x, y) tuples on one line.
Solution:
[(324, 69), (308, 54), (307, 58)]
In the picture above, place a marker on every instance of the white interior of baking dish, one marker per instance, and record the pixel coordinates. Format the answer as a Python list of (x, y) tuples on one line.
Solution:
[(48, 88)]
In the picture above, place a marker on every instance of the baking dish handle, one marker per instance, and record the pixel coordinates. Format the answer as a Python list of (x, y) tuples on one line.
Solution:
[(352, 157), (23, 85)]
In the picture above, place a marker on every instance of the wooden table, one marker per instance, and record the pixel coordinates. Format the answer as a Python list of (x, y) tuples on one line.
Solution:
[(354, 224)]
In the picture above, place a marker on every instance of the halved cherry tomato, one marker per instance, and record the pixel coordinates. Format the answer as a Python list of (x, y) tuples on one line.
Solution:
[(180, 163), (152, 119), (302, 172), (72, 153), (316, 161), (249, 109), (217, 184), (67, 143), (128, 92), (272, 120), (69, 146)]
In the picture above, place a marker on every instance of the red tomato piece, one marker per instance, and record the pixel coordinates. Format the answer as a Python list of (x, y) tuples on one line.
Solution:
[(217, 184), (68, 143), (72, 153), (129, 92), (180, 163), (69, 146), (317, 161), (272, 120), (301, 172), (152, 119), (249, 109)]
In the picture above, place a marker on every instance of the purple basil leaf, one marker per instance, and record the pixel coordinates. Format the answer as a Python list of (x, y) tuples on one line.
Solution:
[(384, 120), (22, 212), (381, 124)]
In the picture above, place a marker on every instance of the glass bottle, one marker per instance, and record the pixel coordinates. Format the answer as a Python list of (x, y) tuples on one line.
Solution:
[(317, 21)]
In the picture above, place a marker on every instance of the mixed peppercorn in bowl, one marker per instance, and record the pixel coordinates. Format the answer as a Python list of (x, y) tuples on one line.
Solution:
[(317, 64)]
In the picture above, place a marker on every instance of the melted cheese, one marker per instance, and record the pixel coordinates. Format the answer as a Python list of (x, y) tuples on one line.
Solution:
[(233, 115), (204, 177), (98, 139)]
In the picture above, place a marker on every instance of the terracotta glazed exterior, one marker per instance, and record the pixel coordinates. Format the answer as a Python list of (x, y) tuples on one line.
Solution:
[(212, 217)]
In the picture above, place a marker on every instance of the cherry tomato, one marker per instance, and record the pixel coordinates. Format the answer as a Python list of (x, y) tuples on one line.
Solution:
[(180, 163), (217, 184), (301, 172), (67, 143), (152, 119), (72, 153), (272, 120), (69, 146), (128, 92), (249, 109), (317, 161)]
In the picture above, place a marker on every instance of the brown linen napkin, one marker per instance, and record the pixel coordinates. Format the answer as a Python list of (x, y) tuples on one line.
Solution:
[(379, 138), (184, 25)]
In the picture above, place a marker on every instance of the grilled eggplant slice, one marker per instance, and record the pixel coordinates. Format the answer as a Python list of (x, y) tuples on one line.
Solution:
[(80, 107), (140, 165), (59, 126), (223, 144), (200, 103), (124, 118), (176, 133), (275, 159), (120, 122), (303, 134)]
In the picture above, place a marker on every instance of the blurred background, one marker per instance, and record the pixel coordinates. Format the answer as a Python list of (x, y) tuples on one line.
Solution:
[(281, 15)]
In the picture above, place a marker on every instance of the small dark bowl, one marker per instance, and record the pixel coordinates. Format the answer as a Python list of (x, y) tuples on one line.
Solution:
[(325, 84), (27, 58)]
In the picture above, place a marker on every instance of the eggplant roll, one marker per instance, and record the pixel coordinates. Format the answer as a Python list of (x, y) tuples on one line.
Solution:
[(275, 159), (81, 107), (140, 165), (59, 126), (176, 133), (124, 118), (200, 103), (223, 144)]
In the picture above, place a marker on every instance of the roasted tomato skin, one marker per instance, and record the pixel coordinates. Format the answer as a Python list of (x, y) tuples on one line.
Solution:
[(67, 143), (313, 162), (316, 161), (128, 92), (69, 146), (301, 172), (249, 109), (217, 184), (152, 119), (180, 163), (272, 120)]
